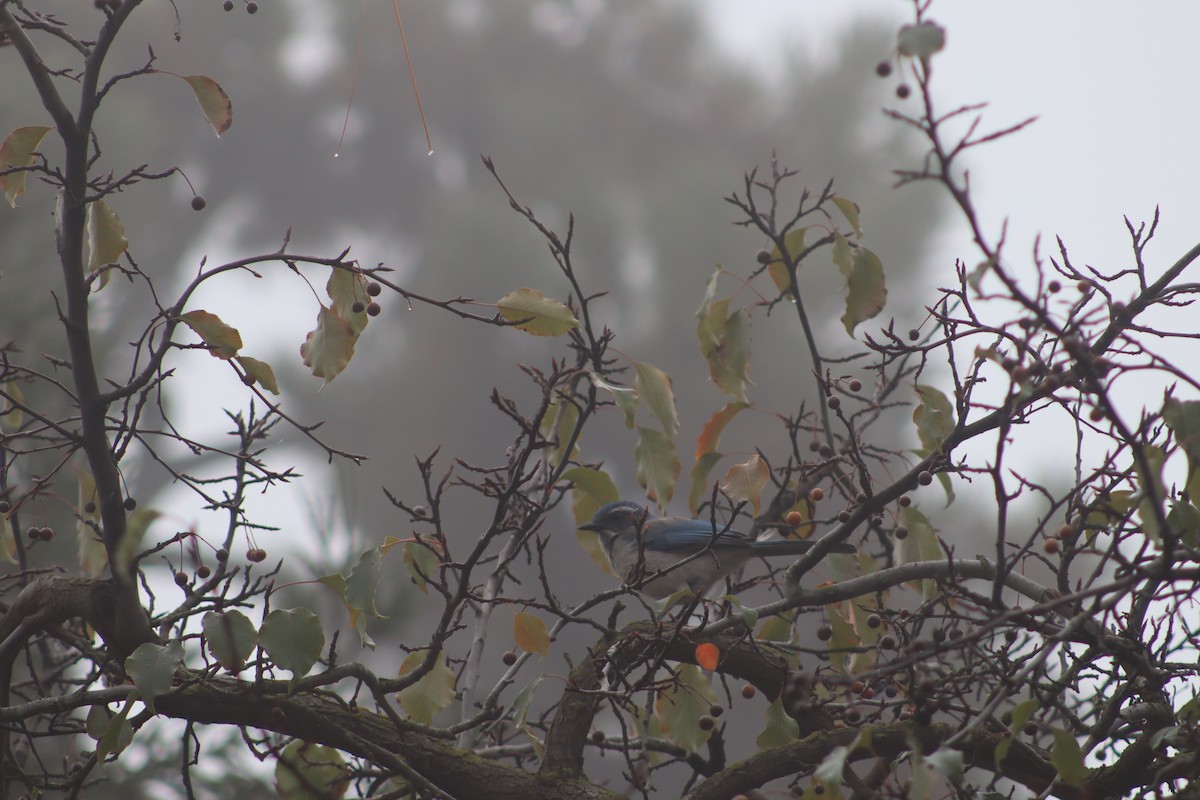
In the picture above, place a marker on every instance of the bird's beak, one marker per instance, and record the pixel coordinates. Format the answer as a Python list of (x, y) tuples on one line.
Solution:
[(590, 526)]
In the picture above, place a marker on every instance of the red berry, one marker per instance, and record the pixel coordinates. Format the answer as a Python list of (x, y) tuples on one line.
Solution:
[(793, 518), (509, 658), (817, 494), (855, 385), (748, 691)]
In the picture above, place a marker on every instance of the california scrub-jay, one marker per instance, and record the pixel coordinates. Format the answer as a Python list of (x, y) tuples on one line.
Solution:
[(671, 545)]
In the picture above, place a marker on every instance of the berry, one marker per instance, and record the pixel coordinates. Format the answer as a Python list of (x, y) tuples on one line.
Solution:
[(706, 723), (939, 635), (901, 532), (227, 5), (883, 69), (198, 203), (34, 533), (835, 403), (597, 736), (825, 633), (5, 506), (887, 642), (181, 578), (46, 533), (203, 571), (130, 504), (1030, 728), (748, 691), (860, 498), (844, 516), (905, 501), (252, 7), (825, 451), (509, 658), (763, 257), (222, 555), (374, 289), (903, 91), (373, 309), (1051, 546), (817, 494), (716, 710), (1054, 287), (914, 334), (925, 477), (1096, 414), (873, 621), (793, 518), (357, 307), (855, 385), (857, 687), (256, 554), (90, 508)]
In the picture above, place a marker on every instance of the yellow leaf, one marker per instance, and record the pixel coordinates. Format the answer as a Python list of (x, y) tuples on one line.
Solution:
[(19, 150), (213, 102), (535, 313), (531, 634)]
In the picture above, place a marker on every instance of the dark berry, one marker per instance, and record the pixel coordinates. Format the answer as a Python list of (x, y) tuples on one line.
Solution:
[(706, 723), (715, 710), (873, 621), (1054, 287), (374, 289), (227, 5), (901, 532), (181, 578), (252, 7), (357, 307), (34, 533), (835, 403), (509, 658), (914, 334), (825, 633), (905, 501), (46, 534), (903, 91), (222, 555), (90, 508), (597, 736), (130, 504), (856, 385), (883, 69), (5, 506), (198, 203), (203, 571), (763, 256), (925, 477)]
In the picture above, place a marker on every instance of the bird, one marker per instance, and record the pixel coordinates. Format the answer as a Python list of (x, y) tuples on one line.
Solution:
[(689, 553)]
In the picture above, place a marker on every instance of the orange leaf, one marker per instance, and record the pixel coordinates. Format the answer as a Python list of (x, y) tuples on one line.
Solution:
[(707, 655)]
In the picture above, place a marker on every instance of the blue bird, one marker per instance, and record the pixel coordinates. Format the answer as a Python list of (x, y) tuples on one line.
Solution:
[(670, 545)]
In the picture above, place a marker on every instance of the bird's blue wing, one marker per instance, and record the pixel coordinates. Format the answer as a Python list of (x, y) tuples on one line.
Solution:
[(688, 536)]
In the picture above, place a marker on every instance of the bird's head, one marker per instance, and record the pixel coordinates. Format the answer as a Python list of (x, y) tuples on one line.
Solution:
[(614, 518)]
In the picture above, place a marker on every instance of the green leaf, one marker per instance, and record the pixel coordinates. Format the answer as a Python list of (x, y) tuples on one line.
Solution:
[(117, 733), (259, 372), (725, 344), (793, 242), (745, 482), (1152, 482), (329, 347), (106, 237), (850, 211), (93, 556), (654, 389), (293, 639), (777, 628), (591, 488), (12, 419), (866, 289), (530, 634), (213, 102), (19, 150), (698, 478), (362, 584), (231, 638), (680, 705), (137, 522), (921, 544), (307, 771), (535, 313), (627, 399), (223, 340), (423, 560), (921, 40), (429, 695), (521, 714), (1067, 758), (1183, 418), (934, 418), (781, 729), (151, 668), (657, 464), (345, 287)]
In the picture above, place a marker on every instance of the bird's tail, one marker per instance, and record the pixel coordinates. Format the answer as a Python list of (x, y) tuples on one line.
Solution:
[(792, 547)]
